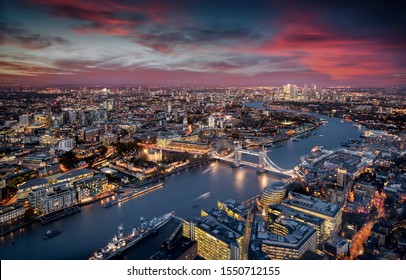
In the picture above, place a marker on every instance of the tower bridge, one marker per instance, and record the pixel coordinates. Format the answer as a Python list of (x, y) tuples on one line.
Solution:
[(264, 162)]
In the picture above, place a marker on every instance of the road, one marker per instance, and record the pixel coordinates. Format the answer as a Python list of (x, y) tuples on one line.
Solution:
[(362, 235)]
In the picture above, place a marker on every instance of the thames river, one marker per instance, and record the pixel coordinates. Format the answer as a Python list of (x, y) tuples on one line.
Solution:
[(186, 193)]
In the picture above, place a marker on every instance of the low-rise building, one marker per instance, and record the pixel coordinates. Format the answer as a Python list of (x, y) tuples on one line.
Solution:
[(11, 213), (336, 246), (75, 175), (29, 186)]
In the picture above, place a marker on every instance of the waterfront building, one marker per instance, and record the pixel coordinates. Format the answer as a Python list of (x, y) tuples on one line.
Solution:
[(272, 194), (190, 147), (11, 212), (233, 209), (330, 212), (35, 196), (90, 187), (287, 239), (218, 236), (59, 198)]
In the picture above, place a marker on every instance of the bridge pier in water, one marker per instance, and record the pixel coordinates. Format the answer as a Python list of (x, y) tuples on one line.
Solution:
[(262, 154), (237, 156)]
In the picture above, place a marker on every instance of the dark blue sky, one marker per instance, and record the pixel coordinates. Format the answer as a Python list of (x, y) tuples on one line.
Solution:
[(357, 43)]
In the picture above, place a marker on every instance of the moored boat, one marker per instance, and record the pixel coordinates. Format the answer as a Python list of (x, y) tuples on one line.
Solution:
[(120, 242)]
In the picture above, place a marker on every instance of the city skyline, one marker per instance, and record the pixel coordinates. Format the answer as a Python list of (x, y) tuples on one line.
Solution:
[(203, 43)]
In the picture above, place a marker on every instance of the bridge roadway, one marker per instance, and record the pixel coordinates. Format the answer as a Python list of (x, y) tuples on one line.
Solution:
[(266, 166)]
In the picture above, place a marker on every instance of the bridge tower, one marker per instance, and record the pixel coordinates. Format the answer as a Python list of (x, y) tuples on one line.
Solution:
[(237, 155), (262, 154)]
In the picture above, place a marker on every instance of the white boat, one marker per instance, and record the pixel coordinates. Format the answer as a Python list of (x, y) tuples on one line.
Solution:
[(317, 149)]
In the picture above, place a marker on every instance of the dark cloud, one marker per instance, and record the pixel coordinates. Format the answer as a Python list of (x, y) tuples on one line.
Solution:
[(15, 34), (338, 40), (25, 68), (165, 41)]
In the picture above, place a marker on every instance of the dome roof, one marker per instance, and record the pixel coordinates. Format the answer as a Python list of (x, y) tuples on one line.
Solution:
[(272, 194)]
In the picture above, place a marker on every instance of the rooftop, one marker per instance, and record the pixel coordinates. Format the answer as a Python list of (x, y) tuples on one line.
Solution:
[(74, 173), (297, 214), (33, 183), (312, 204), (298, 234), (39, 156), (234, 206), (336, 241), (219, 224)]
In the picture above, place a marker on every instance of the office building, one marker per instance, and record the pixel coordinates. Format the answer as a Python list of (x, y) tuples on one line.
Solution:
[(90, 187), (233, 209), (272, 194), (330, 212), (319, 224), (11, 213), (218, 236), (288, 239), (59, 198)]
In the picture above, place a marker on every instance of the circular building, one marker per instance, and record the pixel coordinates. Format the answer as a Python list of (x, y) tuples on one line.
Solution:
[(272, 194)]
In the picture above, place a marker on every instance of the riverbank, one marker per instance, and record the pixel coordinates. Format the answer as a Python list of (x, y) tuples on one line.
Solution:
[(132, 195), (45, 219), (280, 138), (96, 199), (177, 170), (16, 227)]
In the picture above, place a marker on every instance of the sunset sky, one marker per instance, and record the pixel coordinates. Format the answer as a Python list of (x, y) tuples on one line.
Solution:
[(191, 42)]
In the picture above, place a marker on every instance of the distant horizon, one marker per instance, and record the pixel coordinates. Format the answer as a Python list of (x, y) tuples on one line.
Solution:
[(231, 43), (136, 85)]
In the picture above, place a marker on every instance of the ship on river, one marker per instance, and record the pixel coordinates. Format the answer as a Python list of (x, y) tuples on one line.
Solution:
[(120, 242)]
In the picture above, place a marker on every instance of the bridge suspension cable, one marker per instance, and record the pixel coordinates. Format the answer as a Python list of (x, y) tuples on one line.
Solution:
[(265, 159)]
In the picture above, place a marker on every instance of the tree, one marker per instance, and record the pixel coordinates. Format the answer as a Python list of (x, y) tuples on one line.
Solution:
[(103, 150), (68, 159)]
